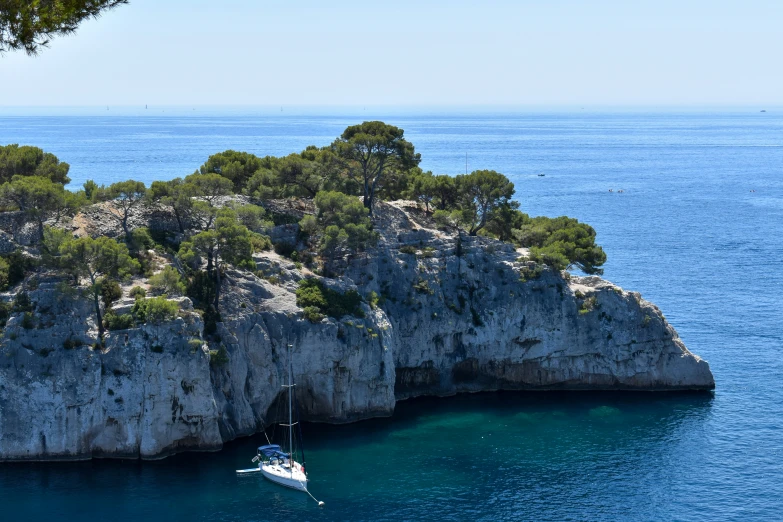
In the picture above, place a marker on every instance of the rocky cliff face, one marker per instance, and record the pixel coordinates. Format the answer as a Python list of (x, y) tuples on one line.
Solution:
[(459, 315)]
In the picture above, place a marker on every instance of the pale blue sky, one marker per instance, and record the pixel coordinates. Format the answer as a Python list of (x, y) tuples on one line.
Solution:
[(295, 52)]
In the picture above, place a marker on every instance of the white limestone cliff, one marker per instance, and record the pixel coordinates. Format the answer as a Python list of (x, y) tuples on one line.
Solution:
[(461, 315)]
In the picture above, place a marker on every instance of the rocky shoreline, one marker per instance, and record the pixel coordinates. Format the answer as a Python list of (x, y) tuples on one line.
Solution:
[(452, 314)]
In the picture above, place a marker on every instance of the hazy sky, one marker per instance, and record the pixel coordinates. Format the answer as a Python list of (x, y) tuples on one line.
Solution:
[(406, 52)]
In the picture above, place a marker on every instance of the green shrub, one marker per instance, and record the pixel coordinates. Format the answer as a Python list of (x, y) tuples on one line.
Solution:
[(428, 252), (308, 225), (587, 305), (28, 321), (113, 321), (443, 218), (156, 348), (22, 302), (137, 292), (313, 293), (201, 289), (345, 222), (195, 345), (161, 238), (168, 281), (373, 300), (285, 249), (72, 342), (476, 317), (4, 268), (18, 265), (408, 249), (5, 312), (529, 274), (312, 314), (110, 292), (155, 310), (260, 242), (211, 319), (141, 240), (423, 287), (218, 357)]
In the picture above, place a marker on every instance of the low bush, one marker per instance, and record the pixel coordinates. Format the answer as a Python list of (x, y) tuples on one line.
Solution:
[(137, 292), (374, 299), (408, 249), (28, 321), (211, 319), (195, 345), (423, 287), (477, 321), (110, 292), (313, 293), (155, 310), (312, 314), (141, 240), (113, 321), (22, 302), (427, 252), (168, 281), (285, 249), (218, 357), (588, 305), (72, 342), (14, 267), (529, 274), (260, 242), (5, 312), (201, 290)]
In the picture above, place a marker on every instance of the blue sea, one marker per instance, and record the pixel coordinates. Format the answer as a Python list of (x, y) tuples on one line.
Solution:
[(697, 229)]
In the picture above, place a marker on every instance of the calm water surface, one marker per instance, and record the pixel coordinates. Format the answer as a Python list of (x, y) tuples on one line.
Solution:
[(698, 230)]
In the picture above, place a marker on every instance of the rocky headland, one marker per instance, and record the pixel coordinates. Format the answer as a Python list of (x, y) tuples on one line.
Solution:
[(443, 313)]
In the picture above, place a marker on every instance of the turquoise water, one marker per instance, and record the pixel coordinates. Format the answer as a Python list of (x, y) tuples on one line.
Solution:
[(698, 230)]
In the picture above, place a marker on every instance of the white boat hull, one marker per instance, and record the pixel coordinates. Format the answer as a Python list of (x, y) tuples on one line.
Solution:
[(295, 479)]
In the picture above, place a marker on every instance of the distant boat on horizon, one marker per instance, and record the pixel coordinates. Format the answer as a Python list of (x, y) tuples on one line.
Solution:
[(763, 110)]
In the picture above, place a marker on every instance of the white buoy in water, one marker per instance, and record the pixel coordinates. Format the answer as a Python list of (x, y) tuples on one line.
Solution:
[(320, 504)]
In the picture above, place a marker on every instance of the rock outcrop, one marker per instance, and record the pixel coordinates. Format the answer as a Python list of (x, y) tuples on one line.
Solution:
[(461, 314)]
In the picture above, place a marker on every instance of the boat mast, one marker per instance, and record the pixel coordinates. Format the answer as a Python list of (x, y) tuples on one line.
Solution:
[(290, 416)]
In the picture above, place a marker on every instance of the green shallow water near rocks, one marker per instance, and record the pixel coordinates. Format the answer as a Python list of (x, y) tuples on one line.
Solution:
[(544, 455)]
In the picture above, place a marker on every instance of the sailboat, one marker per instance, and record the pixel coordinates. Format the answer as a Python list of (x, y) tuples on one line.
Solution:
[(277, 462)]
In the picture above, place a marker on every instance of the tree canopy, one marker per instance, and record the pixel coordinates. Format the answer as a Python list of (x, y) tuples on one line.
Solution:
[(126, 195), (236, 166), (344, 221), (95, 259), (229, 242), (561, 243), (343, 181), (39, 198), (481, 193), (30, 25), (31, 161), (369, 150)]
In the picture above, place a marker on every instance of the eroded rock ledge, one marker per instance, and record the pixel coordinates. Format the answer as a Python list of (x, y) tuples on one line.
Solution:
[(458, 316)]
